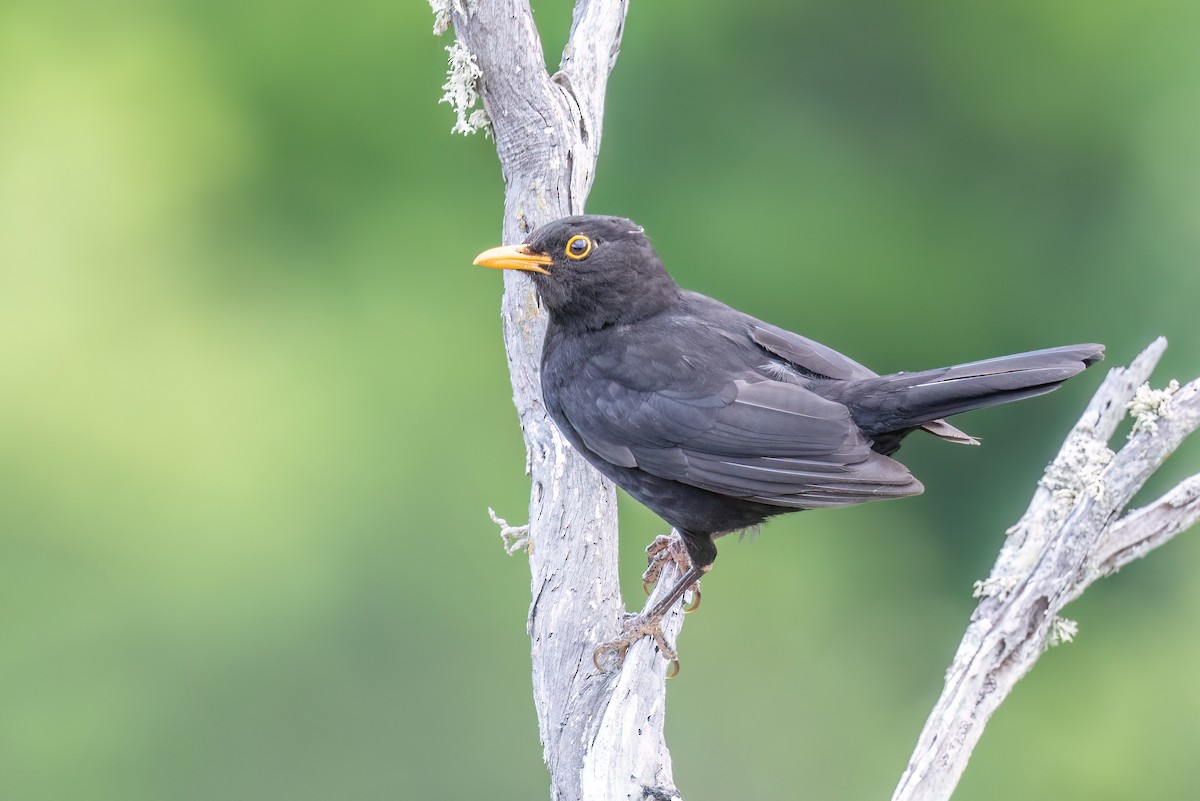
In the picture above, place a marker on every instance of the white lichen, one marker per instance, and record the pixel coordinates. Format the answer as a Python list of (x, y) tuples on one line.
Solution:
[(515, 538), (441, 13), (479, 121), (995, 587), (1149, 406), (1077, 470), (1062, 630), (462, 91)]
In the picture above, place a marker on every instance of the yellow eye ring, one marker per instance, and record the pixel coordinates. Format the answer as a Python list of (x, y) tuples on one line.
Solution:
[(578, 247)]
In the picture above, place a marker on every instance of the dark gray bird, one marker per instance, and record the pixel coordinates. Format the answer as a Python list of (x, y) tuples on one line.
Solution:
[(717, 421)]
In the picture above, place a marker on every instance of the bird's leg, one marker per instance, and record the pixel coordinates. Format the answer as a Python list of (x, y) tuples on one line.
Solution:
[(666, 549), (650, 624)]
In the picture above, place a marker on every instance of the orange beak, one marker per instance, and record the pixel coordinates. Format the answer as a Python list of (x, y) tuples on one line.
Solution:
[(514, 257)]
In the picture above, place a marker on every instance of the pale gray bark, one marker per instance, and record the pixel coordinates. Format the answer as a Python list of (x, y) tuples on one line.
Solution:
[(602, 734), (1071, 535)]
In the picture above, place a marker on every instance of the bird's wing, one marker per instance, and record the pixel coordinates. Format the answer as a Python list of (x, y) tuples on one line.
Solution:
[(808, 354), (760, 440), (813, 357)]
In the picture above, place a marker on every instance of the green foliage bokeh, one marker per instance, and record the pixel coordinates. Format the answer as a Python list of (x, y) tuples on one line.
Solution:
[(255, 404)]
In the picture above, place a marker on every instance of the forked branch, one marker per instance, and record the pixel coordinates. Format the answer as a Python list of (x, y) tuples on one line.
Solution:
[(1071, 535)]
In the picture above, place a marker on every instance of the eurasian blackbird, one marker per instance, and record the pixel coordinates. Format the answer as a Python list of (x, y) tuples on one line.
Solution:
[(715, 420)]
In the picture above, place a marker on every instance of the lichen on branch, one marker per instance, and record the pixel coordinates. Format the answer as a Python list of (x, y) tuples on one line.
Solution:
[(441, 14), (1149, 406), (462, 86)]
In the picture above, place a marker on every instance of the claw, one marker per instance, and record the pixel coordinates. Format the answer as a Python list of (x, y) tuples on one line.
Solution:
[(662, 551), (658, 553), (618, 648), (634, 630)]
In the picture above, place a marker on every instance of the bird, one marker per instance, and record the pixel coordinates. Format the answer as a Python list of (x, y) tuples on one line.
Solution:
[(716, 420)]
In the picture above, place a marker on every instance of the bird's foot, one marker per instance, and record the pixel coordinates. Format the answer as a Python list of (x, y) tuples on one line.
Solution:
[(636, 627), (650, 624), (666, 550)]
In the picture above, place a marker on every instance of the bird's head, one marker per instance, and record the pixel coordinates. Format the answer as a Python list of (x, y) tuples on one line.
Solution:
[(590, 271)]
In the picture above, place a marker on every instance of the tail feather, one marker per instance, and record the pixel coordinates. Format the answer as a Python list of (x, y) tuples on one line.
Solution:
[(904, 401)]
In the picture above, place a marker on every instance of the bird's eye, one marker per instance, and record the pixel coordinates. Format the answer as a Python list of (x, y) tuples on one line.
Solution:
[(578, 247)]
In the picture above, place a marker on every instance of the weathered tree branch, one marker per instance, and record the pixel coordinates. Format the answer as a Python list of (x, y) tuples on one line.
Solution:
[(1070, 536), (602, 734)]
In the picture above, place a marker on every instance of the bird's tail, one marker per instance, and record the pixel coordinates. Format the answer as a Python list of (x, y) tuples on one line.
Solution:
[(904, 401)]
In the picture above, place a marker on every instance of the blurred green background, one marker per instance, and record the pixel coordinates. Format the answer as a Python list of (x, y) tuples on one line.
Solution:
[(255, 404)]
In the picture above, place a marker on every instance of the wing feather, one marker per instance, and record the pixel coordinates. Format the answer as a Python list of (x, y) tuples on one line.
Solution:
[(813, 357), (772, 442)]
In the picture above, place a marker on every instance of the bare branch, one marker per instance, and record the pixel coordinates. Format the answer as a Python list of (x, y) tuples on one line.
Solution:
[(515, 538), (1143, 530), (602, 733), (1068, 538)]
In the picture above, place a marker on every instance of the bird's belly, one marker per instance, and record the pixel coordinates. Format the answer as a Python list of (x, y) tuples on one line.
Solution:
[(683, 506)]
